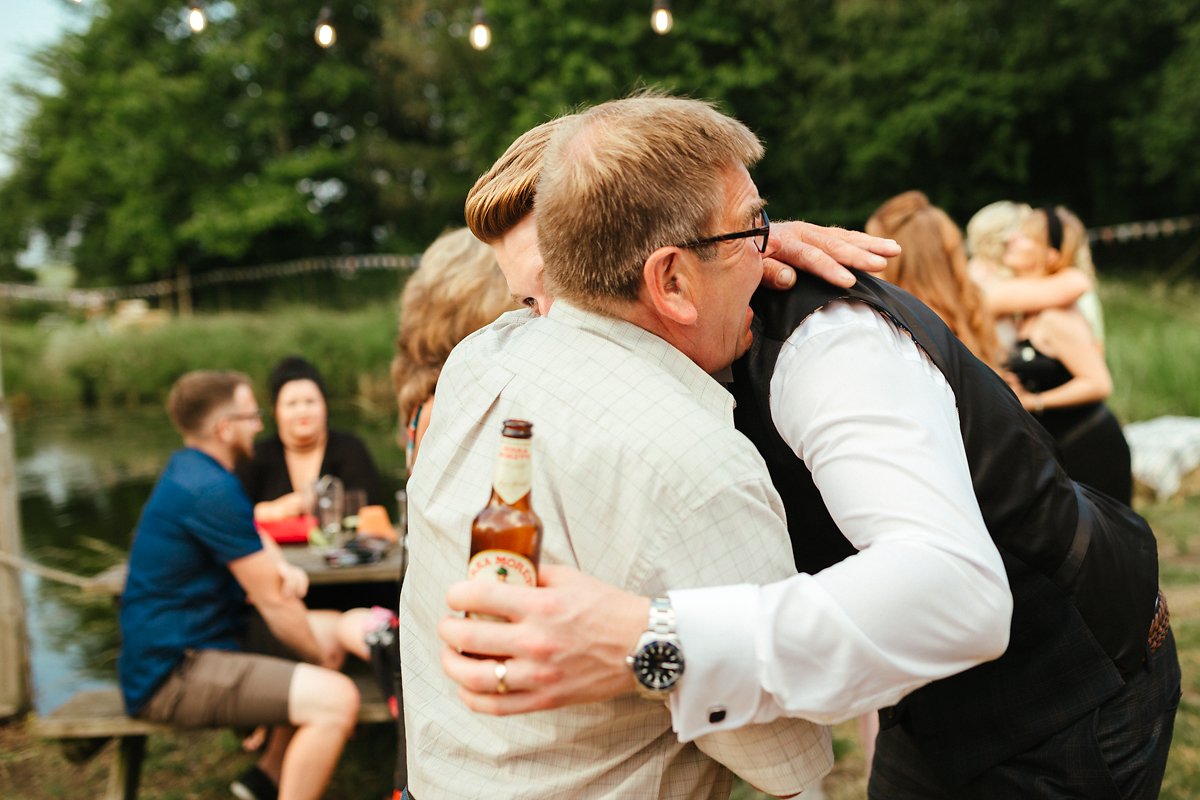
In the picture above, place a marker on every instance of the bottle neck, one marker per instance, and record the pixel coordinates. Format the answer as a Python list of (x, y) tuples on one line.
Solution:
[(514, 470)]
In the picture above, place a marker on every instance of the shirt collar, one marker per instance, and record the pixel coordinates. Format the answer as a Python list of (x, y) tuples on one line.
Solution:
[(702, 386)]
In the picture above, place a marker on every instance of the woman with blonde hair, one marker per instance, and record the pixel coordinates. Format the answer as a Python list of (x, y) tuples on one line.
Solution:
[(932, 266), (988, 234), (456, 291), (1057, 368)]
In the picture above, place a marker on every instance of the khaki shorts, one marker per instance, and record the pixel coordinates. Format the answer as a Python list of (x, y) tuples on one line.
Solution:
[(218, 688)]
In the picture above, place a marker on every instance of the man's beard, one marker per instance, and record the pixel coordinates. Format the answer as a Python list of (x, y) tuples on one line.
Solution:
[(243, 454)]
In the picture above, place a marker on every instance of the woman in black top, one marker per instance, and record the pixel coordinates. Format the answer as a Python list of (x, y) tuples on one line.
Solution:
[(303, 448), (1057, 368)]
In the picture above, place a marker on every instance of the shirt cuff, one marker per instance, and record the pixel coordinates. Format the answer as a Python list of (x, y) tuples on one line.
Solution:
[(719, 689)]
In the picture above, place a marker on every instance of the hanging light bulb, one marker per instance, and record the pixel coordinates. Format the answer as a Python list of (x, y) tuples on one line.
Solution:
[(481, 33), (660, 17), (325, 34), (196, 19)]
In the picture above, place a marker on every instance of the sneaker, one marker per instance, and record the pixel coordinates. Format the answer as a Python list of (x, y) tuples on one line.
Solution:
[(254, 784)]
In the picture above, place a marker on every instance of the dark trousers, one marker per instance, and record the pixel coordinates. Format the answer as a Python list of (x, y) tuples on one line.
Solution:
[(1117, 752)]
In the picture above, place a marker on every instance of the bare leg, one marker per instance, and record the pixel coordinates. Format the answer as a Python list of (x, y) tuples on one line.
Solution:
[(868, 729), (323, 705), (271, 760)]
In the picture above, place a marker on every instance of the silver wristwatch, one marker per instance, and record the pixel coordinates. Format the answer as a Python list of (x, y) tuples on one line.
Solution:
[(657, 659)]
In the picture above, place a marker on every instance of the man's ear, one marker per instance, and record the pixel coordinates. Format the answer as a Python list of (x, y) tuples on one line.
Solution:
[(669, 284), (220, 428)]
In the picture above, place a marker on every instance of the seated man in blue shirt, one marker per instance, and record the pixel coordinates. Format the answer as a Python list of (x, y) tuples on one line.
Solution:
[(196, 567)]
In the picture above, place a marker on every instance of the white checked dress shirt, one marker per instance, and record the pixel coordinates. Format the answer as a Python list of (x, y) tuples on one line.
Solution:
[(641, 480), (925, 597)]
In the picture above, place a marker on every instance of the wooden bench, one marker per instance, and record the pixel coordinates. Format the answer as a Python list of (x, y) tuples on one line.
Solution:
[(92, 717)]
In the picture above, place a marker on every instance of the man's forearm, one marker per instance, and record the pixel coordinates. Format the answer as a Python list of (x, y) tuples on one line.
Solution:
[(287, 619)]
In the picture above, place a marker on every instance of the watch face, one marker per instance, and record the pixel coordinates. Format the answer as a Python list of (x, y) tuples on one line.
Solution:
[(658, 665)]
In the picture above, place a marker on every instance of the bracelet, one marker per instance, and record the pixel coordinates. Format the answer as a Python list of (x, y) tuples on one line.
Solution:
[(1039, 404)]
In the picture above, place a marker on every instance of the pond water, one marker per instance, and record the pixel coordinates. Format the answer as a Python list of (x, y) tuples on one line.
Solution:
[(82, 481)]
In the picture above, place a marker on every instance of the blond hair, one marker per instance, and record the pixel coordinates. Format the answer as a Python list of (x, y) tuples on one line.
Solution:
[(1074, 235), (625, 178), (198, 394), (457, 290), (932, 266), (989, 229), (504, 195)]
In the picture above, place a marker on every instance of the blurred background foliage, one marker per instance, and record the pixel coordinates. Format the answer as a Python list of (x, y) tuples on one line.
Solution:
[(162, 149)]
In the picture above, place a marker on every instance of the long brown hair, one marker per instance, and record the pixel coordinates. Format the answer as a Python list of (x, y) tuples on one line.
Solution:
[(933, 267)]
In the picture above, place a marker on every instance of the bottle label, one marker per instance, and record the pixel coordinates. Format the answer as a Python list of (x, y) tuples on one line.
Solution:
[(514, 469), (502, 565)]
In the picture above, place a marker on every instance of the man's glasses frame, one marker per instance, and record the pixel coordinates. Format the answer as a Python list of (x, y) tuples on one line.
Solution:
[(249, 416), (763, 231)]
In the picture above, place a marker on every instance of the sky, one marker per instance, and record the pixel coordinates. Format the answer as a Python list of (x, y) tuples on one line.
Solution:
[(27, 26)]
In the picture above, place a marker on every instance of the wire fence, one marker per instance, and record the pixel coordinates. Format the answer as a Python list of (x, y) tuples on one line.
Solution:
[(349, 266), (343, 266)]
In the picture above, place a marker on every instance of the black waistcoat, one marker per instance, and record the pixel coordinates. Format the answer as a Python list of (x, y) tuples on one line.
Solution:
[(1082, 568)]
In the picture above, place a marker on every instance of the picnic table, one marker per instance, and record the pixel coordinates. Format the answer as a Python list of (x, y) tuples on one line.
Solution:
[(112, 580)]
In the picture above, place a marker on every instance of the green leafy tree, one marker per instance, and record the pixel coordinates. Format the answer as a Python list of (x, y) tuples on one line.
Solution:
[(860, 99), (249, 144), (164, 149)]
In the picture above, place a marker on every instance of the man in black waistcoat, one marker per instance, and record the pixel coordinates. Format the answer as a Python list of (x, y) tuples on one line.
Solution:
[(852, 397)]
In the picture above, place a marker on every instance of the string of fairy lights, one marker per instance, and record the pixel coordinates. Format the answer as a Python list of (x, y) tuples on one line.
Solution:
[(480, 35)]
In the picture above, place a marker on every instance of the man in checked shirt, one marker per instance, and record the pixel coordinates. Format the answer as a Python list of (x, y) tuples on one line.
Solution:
[(639, 476)]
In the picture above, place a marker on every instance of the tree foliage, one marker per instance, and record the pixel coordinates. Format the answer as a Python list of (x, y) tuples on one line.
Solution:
[(249, 144)]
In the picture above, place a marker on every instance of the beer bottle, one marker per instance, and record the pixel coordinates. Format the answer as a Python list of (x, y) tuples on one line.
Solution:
[(506, 536)]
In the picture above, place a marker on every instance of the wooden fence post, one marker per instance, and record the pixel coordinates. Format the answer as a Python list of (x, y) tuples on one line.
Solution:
[(183, 291), (14, 651)]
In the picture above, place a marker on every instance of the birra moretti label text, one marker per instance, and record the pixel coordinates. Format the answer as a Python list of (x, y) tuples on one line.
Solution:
[(502, 565)]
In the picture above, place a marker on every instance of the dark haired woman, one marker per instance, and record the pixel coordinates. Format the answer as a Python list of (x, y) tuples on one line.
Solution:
[(303, 448)]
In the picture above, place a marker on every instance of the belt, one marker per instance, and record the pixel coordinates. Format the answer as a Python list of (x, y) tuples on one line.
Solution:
[(1160, 626)]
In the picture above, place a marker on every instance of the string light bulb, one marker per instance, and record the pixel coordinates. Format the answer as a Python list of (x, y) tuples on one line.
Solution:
[(660, 17), (481, 32), (196, 19), (325, 33)]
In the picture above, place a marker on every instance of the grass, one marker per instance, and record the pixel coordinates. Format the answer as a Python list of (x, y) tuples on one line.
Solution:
[(181, 766), (71, 364), (1153, 348)]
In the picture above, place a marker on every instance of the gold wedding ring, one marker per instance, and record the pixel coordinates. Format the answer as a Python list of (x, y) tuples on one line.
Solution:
[(501, 674)]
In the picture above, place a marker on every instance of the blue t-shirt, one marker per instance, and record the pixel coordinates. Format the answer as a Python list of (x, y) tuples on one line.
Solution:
[(180, 594)]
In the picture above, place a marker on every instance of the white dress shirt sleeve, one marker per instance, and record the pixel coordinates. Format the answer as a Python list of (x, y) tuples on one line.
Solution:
[(925, 597)]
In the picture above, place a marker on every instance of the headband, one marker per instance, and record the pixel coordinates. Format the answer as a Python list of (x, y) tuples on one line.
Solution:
[(1054, 228)]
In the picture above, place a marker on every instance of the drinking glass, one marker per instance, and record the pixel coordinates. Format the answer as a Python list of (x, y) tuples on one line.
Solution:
[(330, 508), (354, 499)]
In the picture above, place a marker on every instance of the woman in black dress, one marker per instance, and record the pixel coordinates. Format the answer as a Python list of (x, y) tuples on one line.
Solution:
[(1057, 367), (279, 477)]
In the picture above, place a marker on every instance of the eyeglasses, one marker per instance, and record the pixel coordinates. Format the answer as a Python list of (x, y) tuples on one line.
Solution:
[(249, 416), (761, 235)]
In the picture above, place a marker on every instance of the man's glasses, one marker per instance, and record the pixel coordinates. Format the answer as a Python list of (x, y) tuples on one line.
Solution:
[(761, 234), (249, 416)]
